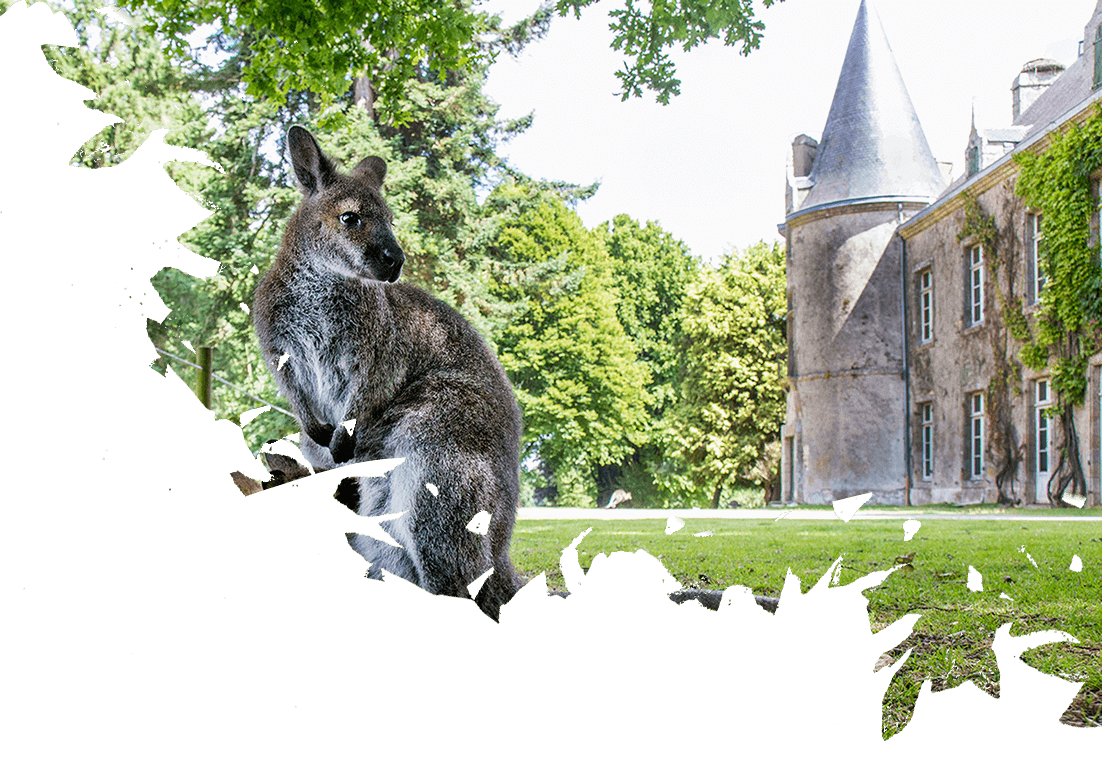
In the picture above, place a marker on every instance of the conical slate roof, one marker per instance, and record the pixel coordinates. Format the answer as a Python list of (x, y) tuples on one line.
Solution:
[(873, 148)]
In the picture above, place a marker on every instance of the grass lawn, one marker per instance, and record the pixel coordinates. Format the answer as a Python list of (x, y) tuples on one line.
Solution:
[(978, 509), (952, 640)]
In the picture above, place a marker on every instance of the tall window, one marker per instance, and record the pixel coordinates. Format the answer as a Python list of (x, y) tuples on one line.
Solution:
[(926, 305), (790, 468), (926, 412), (1042, 439), (975, 434), (1044, 442), (791, 332), (1039, 277), (975, 284)]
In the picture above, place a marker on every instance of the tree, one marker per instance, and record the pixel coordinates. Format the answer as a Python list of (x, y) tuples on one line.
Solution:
[(438, 156), (574, 368), (135, 80), (322, 46), (652, 272), (732, 395), (132, 78), (376, 46)]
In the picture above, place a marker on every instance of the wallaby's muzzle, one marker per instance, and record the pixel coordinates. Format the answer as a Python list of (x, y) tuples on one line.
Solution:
[(391, 258)]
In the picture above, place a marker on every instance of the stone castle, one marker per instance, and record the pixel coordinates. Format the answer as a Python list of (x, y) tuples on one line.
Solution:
[(897, 343)]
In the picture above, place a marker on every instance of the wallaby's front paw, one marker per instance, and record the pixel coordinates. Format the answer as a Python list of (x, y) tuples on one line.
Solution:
[(322, 435), (342, 446)]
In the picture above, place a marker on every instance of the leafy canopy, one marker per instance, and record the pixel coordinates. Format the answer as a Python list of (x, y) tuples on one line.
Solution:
[(322, 45), (646, 32)]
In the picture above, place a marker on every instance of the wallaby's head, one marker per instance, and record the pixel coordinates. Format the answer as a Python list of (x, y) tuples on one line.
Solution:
[(343, 218)]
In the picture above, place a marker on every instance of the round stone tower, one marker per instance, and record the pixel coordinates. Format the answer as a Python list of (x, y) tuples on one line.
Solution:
[(845, 425)]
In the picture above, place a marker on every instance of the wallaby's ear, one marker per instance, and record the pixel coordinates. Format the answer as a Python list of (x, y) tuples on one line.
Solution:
[(372, 170), (313, 169)]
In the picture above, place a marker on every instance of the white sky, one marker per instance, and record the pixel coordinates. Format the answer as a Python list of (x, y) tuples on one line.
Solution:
[(710, 166)]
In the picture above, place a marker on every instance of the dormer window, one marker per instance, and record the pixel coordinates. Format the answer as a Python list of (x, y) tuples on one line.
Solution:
[(973, 157)]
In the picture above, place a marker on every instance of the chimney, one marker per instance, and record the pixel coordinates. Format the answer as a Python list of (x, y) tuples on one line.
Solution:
[(800, 162), (804, 149), (1034, 79)]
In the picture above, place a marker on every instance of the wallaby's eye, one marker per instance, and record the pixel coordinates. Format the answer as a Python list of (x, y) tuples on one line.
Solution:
[(351, 219)]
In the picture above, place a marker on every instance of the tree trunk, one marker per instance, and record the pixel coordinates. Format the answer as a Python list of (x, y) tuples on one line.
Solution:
[(363, 94), (715, 495)]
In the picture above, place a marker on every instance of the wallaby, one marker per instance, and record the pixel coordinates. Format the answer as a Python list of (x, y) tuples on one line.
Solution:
[(347, 342)]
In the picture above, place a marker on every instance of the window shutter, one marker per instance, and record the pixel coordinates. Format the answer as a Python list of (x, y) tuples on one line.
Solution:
[(1097, 57)]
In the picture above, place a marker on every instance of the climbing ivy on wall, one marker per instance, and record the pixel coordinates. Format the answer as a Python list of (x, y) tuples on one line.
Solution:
[(1065, 328), (1000, 247)]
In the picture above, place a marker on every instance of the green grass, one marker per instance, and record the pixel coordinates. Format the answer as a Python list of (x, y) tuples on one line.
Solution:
[(951, 641), (984, 508)]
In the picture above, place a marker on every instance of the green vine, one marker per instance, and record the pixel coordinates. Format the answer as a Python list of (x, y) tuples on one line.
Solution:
[(979, 227), (982, 228), (1067, 327), (1015, 319)]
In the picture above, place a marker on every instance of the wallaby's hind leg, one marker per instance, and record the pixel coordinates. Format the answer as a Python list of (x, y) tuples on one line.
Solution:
[(440, 494), (374, 500), (471, 484), (438, 552)]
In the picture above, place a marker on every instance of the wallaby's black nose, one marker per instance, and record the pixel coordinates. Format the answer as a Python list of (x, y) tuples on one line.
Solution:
[(393, 258)]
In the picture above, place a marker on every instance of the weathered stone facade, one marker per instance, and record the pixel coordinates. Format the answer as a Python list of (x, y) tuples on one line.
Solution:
[(847, 351), (904, 378), (953, 359)]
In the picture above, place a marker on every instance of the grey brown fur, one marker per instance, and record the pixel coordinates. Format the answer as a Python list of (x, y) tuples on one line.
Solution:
[(417, 379)]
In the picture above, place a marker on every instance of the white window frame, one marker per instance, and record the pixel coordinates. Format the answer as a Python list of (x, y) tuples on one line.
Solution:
[(1042, 438), (975, 435), (1044, 428), (927, 417), (790, 469), (926, 306), (975, 284), (1039, 277)]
